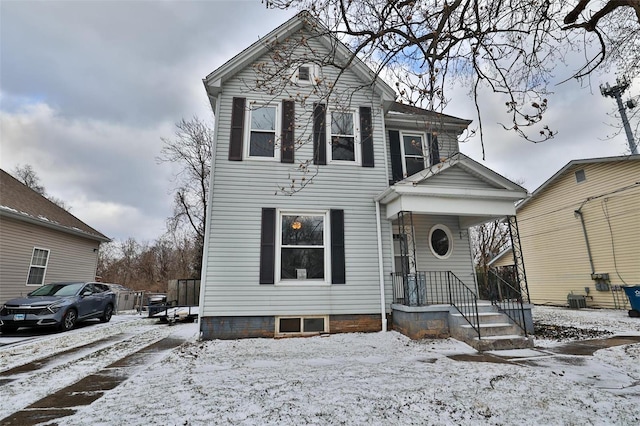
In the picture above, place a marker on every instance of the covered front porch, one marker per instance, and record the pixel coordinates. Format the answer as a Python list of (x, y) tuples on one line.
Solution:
[(435, 293)]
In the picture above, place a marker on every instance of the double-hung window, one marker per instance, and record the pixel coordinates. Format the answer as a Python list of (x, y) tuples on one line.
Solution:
[(303, 246), (413, 153), (38, 267), (343, 141), (262, 131)]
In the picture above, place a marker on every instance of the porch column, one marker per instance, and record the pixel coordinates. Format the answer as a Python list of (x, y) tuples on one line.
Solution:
[(518, 261)]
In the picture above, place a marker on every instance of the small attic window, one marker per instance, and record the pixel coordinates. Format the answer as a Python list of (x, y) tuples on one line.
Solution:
[(304, 73), (580, 176)]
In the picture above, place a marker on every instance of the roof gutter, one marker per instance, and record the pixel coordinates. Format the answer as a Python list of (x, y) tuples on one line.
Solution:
[(52, 225)]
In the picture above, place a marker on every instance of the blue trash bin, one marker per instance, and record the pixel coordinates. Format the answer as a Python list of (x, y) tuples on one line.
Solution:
[(633, 293)]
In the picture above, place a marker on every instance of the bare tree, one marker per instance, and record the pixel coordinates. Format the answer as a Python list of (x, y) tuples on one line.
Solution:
[(30, 178), (512, 48), (190, 150)]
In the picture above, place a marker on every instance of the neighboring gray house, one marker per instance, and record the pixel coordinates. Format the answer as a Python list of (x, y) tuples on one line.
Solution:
[(41, 242), (380, 232)]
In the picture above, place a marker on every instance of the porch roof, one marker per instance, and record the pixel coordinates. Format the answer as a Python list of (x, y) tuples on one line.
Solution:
[(459, 186)]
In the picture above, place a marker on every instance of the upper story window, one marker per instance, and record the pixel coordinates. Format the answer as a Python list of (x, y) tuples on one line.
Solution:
[(38, 267), (342, 136), (263, 128), (413, 153), (580, 176)]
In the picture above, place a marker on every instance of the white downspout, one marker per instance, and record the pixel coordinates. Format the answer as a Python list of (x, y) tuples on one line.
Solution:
[(383, 309)]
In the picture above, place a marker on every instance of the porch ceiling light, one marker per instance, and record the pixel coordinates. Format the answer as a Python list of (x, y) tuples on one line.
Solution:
[(296, 225)]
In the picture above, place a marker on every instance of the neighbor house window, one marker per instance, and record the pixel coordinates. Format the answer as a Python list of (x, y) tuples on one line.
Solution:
[(580, 176), (343, 143), (440, 241), (303, 248), (38, 267), (262, 130)]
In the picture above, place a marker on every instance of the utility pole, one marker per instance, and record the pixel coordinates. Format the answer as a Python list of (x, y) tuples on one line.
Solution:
[(616, 92)]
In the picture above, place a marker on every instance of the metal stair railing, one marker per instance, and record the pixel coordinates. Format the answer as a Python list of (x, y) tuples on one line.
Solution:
[(425, 288), (508, 299)]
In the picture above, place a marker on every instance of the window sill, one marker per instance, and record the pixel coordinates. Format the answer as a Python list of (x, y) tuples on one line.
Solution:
[(303, 283), (267, 159)]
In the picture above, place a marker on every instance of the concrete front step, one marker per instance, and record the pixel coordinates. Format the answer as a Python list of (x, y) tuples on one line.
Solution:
[(496, 343), (483, 317), (497, 331)]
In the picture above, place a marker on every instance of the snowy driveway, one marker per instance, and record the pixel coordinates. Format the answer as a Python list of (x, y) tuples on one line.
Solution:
[(43, 374)]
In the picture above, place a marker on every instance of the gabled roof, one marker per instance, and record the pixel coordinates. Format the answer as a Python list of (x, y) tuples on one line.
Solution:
[(215, 81), (487, 196), (471, 166), (20, 202), (571, 164)]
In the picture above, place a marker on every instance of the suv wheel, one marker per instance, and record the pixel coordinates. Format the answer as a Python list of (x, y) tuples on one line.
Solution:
[(108, 312), (69, 320)]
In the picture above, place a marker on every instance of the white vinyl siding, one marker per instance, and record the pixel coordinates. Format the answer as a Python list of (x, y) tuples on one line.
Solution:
[(242, 188)]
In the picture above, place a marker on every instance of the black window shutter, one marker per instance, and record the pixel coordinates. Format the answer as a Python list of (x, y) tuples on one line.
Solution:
[(237, 129), (287, 146), (434, 150), (319, 134), (396, 156), (366, 137), (337, 247), (268, 246)]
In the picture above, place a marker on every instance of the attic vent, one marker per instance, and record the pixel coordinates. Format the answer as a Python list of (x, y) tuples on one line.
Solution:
[(304, 73), (580, 176)]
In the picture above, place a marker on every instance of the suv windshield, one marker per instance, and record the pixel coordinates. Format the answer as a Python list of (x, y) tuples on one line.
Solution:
[(57, 290)]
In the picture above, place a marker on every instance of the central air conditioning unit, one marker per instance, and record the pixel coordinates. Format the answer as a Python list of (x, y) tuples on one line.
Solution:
[(577, 301)]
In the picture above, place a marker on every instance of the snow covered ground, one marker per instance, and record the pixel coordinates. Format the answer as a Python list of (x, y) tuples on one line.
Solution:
[(375, 378)]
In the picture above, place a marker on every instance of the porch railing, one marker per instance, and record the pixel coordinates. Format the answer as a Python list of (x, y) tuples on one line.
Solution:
[(508, 299), (426, 288)]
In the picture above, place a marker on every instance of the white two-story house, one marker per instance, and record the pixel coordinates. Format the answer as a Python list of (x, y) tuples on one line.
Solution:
[(334, 208)]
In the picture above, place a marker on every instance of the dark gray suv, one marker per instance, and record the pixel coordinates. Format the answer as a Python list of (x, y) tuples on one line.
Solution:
[(60, 305)]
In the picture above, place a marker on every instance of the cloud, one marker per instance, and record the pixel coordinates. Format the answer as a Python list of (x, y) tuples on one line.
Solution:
[(91, 162)]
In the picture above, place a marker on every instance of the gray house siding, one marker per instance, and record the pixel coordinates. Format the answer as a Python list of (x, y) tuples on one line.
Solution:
[(460, 260), (242, 188), (458, 178), (70, 257)]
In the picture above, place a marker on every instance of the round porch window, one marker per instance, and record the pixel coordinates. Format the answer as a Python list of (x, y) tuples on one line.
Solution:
[(440, 241)]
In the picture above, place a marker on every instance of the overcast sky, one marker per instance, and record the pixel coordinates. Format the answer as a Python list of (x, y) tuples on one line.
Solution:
[(89, 88)]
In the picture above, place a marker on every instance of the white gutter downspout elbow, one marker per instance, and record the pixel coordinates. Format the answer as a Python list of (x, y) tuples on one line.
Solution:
[(383, 310)]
